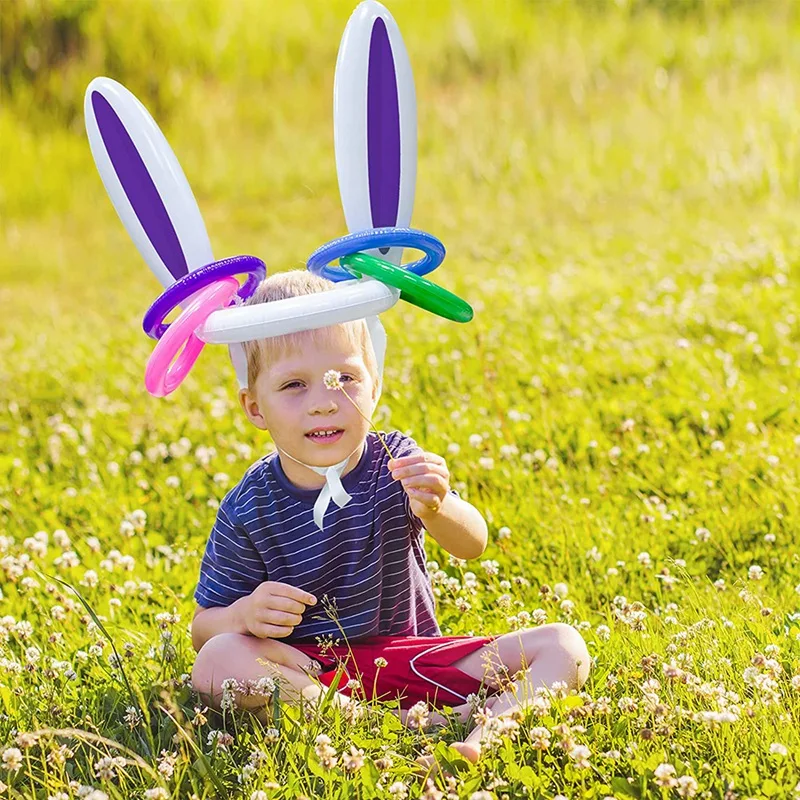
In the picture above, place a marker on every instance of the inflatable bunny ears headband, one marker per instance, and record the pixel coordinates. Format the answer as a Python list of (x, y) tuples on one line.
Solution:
[(375, 144)]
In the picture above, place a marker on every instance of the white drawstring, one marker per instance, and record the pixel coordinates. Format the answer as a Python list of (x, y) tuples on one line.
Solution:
[(333, 488)]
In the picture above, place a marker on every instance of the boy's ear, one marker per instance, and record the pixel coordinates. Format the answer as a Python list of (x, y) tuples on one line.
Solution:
[(250, 407)]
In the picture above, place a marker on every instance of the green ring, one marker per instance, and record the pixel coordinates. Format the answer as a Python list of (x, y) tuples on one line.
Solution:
[(413, 289)]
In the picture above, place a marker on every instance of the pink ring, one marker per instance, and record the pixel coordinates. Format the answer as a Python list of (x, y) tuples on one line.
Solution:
[(161, 377)]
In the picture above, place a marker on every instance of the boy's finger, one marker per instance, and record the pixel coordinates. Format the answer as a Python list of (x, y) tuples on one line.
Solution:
[(428, 499), (280, 602), (296, 594), (428, 482), (428, 468), (405, 460), (264, 631)]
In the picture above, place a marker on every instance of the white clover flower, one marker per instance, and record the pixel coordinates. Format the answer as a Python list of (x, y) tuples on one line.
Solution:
[(580, 755), (418, 715), (398, 790), (664, 775), (354, 760), (777, 749), (12, 758), (755, 573)]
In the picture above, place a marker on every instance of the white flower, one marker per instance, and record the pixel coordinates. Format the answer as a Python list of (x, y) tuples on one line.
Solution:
[(687, 786), (777, 749), (418, 715), (12, 758), (665, 775), (755, 573), (580, 755)]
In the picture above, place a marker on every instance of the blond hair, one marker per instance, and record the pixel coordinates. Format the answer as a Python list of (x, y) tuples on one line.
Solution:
[(293, 283)]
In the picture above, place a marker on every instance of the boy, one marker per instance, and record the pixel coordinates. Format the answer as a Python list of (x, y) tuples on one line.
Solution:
[(280, 547)]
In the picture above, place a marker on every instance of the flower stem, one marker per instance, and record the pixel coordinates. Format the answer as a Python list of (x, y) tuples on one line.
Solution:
[(341, 389)]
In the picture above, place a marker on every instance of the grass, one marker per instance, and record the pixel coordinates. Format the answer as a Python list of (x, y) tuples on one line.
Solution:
[(617, 187)]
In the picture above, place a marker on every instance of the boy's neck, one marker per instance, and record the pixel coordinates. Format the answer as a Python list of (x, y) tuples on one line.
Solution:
[(303, 478)]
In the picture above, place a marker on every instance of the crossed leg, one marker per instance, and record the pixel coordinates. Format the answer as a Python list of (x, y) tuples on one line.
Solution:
[(542, 656), (248, 659)]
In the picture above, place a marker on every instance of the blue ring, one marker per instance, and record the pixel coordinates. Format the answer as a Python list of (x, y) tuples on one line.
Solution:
[(320, 259)]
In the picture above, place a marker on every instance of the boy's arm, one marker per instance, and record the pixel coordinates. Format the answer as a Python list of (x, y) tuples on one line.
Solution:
[(208, 622), (454, 523), (458, 527)]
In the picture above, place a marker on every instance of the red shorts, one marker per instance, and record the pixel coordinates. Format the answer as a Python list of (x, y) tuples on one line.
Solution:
[(418, 667)]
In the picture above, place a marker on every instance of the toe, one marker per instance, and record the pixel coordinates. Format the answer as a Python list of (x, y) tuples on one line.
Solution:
[(470, 751)]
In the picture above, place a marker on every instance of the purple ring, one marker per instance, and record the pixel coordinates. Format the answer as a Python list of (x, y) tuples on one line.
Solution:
[(177, 293)]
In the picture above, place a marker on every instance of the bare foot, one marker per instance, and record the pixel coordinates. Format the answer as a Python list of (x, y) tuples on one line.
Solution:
[(428, 766)]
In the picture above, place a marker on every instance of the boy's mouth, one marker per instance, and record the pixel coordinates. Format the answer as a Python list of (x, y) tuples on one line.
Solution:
[(326, 436)]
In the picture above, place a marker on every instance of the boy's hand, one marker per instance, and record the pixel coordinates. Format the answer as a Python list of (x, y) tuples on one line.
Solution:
[(273, 609), (426, 481)]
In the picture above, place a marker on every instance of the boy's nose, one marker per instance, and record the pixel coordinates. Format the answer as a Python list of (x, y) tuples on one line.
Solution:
[(323, 403)]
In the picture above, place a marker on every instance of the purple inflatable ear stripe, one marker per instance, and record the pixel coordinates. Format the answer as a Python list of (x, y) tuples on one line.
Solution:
[(383, 130), (139, 187)]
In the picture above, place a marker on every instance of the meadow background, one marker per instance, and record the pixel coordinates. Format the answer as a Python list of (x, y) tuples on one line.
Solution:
[(617, 185)]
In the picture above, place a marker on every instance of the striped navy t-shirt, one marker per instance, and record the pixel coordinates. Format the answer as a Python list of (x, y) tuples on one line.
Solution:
[(369, 560)]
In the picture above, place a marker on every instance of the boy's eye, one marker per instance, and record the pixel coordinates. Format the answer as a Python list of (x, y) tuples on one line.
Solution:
[(298, 383)]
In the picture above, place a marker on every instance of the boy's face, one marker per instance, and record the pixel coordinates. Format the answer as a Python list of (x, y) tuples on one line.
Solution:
[(290, 400)]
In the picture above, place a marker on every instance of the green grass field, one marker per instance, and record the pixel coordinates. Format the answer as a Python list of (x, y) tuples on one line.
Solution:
[(618, 188)]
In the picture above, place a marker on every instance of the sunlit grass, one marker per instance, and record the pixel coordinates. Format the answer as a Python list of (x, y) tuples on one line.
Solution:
[(618, 193)]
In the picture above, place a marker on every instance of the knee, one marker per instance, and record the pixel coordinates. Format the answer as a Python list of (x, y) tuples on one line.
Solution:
[(214, 663), (567, 642)]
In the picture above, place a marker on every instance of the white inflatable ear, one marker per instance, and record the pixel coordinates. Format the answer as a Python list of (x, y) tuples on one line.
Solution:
[(145, 182), (146, 185), (375, 124), (375, 133)]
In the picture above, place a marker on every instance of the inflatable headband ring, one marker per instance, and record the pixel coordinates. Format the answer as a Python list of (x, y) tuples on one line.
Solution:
[(162, 376), (415, 290), (319, 260), (188, 285)]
